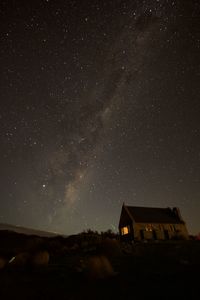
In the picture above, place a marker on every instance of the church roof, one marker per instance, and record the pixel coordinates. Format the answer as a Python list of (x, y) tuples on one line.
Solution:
[(154, 215)]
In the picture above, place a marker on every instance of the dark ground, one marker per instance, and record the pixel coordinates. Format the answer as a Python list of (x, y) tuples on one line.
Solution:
[(161, 270)]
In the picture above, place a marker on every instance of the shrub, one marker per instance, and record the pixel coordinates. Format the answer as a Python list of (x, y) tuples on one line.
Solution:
[(109, 234), (34, 243), (3, 262), (110, 247), (178, 237)]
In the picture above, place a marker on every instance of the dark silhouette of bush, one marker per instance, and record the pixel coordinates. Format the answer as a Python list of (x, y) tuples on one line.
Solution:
[(3, 262), (178, 237), (110, 247), (109, 234)]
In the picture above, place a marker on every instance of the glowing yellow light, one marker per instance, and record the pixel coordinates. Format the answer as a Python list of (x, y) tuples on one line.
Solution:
[(125, 230), (149, 227)]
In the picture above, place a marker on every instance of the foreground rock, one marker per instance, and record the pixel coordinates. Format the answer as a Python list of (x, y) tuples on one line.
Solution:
[(40, 258)]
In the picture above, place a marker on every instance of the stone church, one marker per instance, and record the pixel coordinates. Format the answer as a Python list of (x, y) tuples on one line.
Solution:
[(149, 223)]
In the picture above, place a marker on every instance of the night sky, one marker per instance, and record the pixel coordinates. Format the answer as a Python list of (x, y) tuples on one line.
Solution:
[(99, 105)]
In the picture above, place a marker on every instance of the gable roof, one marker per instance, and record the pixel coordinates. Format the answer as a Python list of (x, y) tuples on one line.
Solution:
[(154, 215)]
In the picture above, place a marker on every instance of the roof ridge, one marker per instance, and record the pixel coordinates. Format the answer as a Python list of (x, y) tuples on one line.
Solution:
[(153, 214), (147, 207)]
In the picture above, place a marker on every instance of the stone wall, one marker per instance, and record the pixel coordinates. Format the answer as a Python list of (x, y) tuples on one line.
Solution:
[(161, 231)]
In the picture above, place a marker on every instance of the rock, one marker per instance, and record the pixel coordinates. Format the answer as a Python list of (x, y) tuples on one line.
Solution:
[(21, 259), (40, 258), (98, 267)]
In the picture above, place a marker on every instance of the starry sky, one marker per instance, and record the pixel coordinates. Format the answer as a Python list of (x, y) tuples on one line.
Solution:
[(99, 105)]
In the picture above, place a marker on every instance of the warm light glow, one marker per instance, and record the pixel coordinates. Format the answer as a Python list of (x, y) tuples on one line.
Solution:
[(149, 227), (125, 230)]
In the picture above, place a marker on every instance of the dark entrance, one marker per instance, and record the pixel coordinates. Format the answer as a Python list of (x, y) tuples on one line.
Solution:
[(142, 234), (154, 235), (166, 234)]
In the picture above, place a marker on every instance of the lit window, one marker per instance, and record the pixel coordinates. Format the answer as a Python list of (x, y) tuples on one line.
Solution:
[(149, 227), (125, 230)]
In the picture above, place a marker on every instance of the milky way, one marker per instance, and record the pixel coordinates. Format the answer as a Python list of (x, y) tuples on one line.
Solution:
[(99, 106)]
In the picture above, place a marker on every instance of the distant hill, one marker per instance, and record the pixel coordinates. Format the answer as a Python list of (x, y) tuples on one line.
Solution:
[(27, 231)]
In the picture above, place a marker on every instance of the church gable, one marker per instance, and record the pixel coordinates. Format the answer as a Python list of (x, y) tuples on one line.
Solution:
[(139, 223)]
